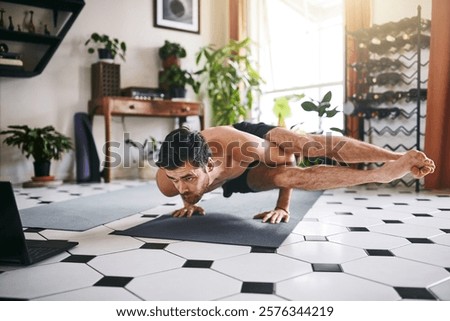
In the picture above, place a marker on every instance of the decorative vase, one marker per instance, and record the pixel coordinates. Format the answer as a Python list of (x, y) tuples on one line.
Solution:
[(105, 79)]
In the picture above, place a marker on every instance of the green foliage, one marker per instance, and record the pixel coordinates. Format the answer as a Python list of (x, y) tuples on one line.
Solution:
[(323, 108), (174, 76), (41, 143), (114, 45), (282, 108), (171, 49), (231, 80)]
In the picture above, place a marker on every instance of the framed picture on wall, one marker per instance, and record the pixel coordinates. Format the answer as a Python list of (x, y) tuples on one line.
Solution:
[(183, 15)]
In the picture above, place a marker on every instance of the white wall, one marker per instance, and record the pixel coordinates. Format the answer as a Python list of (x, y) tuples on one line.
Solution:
[(63, 88), (394, 10)]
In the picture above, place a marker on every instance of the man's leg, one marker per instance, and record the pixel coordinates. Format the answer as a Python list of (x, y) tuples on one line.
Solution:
[(325, 177), (341, 149)]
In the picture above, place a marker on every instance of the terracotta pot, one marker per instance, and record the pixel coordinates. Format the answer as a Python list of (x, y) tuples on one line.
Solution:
[(171, 60)]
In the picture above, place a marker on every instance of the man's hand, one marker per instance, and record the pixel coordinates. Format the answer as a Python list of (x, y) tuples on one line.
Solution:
[(188, 210), (275, 216)]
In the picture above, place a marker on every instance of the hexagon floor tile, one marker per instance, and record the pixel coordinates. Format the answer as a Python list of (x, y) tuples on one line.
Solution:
[(261, 267), (359, 243), (187, 284), (136, 262), (396, 271), (322, 252), (46, 279), (333, 286)]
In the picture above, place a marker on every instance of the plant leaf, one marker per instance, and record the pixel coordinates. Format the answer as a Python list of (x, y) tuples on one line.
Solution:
[(327, 97), (309, 106)]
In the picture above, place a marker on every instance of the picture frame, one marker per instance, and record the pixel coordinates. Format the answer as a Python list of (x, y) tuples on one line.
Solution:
[(181, 15)]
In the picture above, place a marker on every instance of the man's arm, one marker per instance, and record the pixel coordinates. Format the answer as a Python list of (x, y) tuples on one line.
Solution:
[(281, 211)]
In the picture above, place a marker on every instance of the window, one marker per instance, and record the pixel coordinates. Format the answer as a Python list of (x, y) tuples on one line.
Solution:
[(299, 45)]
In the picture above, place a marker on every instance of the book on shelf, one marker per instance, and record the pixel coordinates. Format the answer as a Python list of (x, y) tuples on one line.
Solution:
[(10, 55), (11, 68), (10, 62)]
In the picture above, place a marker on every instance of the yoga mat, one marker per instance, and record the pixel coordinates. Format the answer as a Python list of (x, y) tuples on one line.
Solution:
[(84, 213), (230, 221)]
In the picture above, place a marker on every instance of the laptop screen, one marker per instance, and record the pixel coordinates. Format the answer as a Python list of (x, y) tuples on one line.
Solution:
[(12, 239)]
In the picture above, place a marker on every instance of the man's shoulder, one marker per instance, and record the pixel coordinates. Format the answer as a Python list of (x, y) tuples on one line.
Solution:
[(218, 131)]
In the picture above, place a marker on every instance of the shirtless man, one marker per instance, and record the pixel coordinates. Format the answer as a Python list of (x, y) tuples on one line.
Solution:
[(248, 157)]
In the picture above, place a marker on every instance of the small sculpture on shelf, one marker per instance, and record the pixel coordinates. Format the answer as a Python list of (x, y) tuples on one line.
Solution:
[(11, 25), (31, 27), (2, 23), (46, 31)]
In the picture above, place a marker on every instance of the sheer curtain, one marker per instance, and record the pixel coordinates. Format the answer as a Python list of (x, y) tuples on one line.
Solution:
[(299, 45), (437, 142)]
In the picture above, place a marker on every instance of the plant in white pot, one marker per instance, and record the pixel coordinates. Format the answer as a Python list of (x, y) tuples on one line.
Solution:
[(44, 144)]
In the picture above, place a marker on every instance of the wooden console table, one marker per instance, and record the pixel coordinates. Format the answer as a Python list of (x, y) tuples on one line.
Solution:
[(125, 106)]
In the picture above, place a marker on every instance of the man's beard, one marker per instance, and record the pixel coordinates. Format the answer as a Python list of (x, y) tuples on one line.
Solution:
[(192, 198)]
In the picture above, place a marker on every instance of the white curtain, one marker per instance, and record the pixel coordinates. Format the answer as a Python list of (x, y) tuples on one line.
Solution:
[(299, 47)]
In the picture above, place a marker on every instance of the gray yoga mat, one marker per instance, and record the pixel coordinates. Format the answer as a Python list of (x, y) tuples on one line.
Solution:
[(230, 221), (84, 213)]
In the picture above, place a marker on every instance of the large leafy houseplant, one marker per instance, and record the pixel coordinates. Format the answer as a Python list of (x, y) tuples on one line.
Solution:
[(231, 80), (44, 144), (105, 44)]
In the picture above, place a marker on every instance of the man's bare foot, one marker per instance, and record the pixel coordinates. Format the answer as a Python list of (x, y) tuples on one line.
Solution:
[(413, 161)]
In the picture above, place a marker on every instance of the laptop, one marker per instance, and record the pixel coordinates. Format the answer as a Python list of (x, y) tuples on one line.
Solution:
[(14, 248)]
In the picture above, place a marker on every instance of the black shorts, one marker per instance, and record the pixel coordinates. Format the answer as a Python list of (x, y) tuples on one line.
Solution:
[(239, 184)]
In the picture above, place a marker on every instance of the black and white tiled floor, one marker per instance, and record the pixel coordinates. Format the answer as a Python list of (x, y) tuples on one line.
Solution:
[(364, 243)]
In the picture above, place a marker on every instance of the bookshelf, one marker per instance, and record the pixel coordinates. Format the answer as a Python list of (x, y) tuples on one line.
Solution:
[(36, 48)]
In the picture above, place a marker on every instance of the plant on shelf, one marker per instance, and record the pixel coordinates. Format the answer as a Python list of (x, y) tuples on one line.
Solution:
[(107, 47), (231, 80), (44, 144), (174, 80), (323, 109), (170, 54)]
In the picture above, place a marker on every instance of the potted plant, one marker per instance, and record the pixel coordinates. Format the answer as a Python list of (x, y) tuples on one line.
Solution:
[(174, 80), (44, 144), (231, 80), (282, 108), (170, 54), (323, 109), (107, 47)]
